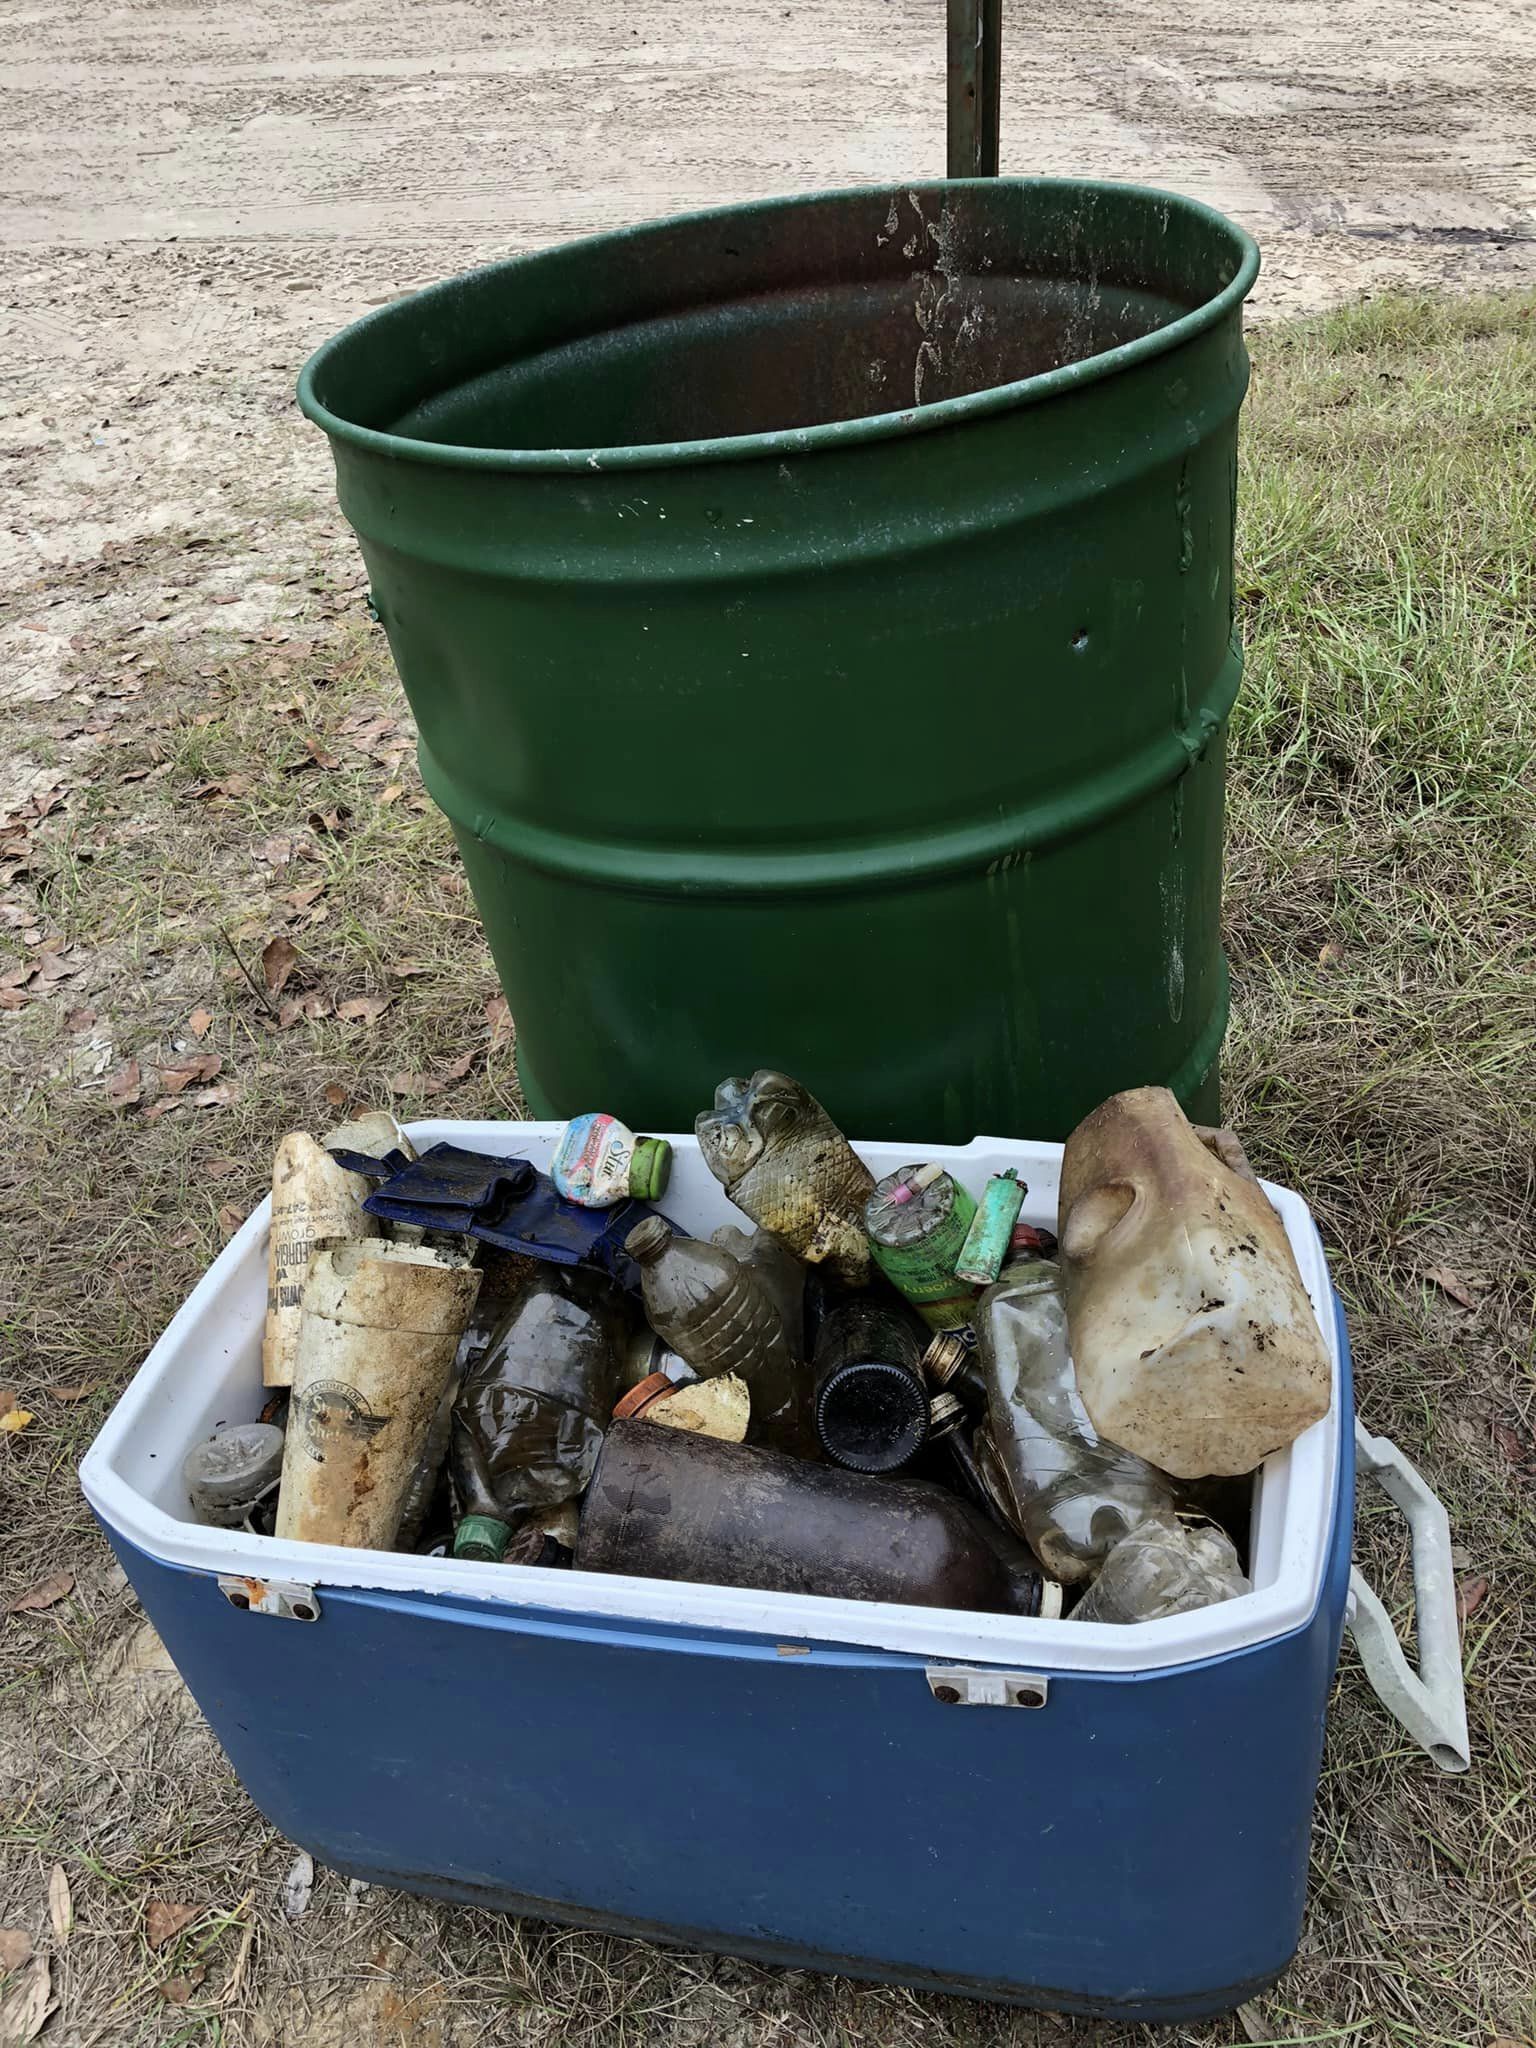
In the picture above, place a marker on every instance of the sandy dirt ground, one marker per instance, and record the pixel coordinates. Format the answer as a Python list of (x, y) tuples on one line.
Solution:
[(194, 196)]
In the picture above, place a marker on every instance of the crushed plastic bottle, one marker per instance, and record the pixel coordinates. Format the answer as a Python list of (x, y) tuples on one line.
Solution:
[(1164, 1567), (1073, 1496), (783, 1161), (1195, 1343), (528, 1423), (599, 1161), (715, 1312)]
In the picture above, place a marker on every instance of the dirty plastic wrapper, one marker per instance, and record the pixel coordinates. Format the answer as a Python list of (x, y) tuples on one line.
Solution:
[(314, 1201), (381, 1323)]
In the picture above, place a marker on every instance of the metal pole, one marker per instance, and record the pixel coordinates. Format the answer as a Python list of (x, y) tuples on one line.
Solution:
[(975, 78)]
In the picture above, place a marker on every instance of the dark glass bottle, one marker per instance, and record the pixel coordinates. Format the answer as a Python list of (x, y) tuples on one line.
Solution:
[(871, 1397)]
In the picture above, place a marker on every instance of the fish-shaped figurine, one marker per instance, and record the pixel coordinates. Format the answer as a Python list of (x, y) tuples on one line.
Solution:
[(780, 1157)]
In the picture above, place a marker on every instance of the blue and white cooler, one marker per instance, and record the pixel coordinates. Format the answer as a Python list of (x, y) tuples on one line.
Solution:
[(1098, 1819)]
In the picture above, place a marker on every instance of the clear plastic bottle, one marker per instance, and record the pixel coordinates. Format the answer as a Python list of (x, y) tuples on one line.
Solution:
[(1074, 1495), (716, 1313), (528, 1423), (1164, 1567)]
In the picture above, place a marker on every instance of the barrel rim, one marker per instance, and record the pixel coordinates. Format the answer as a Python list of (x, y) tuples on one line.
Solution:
[(832, 434)]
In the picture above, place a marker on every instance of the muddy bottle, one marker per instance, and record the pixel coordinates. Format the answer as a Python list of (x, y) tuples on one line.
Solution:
[(871, 1400), (781, 1273), (1164, 1567), (717, 1315), (1073, 1496), (529, 1419), (782, 1160), (666, 1504)]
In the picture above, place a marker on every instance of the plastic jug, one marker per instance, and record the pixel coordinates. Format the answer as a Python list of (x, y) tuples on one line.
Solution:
[(1195, 1343)]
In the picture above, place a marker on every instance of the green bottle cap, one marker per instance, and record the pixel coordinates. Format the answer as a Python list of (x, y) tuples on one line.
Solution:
[(482, 1537), (649, 1169)]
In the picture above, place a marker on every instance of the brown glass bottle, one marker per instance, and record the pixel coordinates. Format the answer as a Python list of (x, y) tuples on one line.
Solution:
[(666, 1504)]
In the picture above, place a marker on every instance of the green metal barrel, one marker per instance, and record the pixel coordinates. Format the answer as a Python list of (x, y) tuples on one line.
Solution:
[(818, 619)]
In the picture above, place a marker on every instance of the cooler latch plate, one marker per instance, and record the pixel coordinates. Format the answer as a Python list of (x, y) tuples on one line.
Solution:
[(964, 1685), (288, 1601)]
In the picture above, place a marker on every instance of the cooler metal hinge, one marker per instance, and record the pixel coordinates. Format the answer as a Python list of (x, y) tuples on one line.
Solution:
[(963, 1685), (282, 1597)]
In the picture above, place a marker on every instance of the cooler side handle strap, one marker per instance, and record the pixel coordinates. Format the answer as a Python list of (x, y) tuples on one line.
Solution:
[(1430, 1703)]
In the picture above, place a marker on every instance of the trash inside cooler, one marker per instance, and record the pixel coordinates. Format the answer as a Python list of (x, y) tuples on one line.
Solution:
[(1106, 1820)]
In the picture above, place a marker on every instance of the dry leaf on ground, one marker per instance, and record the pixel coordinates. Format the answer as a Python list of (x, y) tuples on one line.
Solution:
[(1330, 955), (61, 1907), (199, 1022), (392, 793), (163, 1918), (126, 1085), (81, 1393), (333, 822), (1470, 1595), (1452, 1284), (15, 1947), (46, 1593), (335, 1094), (177, 1990), (25, 2004), (363, 1009), (230, 786), (230, 1218), (301, 899), (460, 1067), (499, 1016), (220, 1169), (79, 1020), (279, 957), (215, 1098), (402, 970), (15, 1420), (182, 1073), (311, 1005), (413, 1084)]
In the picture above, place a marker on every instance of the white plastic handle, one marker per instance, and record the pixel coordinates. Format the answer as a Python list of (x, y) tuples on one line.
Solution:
[(1430, 1703)]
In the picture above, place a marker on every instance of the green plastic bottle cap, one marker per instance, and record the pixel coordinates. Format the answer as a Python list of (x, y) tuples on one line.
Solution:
[(649, 1169), (483, 1538)]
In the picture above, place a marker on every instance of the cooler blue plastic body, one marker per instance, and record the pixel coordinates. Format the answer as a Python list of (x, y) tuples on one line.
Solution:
[(1136, 1848)]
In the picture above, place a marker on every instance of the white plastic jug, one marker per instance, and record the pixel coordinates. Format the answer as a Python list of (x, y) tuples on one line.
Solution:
[(1194, 1341)]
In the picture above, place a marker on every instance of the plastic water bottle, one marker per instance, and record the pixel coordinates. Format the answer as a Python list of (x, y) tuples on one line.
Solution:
[(1074, 1496), (716, 1313)]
